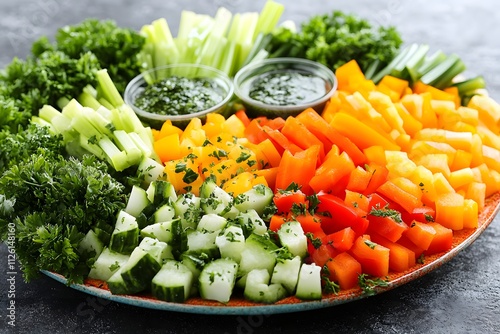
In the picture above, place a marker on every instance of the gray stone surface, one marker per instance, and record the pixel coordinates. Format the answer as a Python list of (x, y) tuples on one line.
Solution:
[(463, 296)]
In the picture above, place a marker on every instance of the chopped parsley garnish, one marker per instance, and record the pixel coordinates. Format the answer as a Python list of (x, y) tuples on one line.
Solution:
[(386, 212)]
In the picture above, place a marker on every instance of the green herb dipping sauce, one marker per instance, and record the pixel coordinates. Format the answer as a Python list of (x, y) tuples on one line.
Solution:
[(281, 88), (179, 96)]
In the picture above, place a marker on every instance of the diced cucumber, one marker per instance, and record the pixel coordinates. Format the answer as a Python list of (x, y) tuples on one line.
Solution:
[(187, 208), (137, 201), (107, 264), (195, 262), (150, 170), (161, 231), (173, 282), (231, 242), (90, 246), (139, 270), (286, 272), (258, 289), (164, 213), (202, 242), (256, 198), (251, 222), (309, 283), (103, 231), (217, 280), (211, 223), (292, 236), (216, 200), (125, 236), (259, 253), (179, 238), (159, 250), (160, 192), (117, 284)]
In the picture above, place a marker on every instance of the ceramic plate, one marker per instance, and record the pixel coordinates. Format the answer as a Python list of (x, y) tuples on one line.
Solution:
[(238, 306)]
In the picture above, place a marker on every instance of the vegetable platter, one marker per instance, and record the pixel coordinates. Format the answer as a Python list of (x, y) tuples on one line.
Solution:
[(243, 213)]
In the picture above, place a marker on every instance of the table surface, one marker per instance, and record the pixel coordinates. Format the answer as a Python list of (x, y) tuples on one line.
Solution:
[(462, 296)]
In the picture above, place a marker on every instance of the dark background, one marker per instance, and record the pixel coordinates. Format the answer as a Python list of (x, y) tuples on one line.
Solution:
[(463, 296)]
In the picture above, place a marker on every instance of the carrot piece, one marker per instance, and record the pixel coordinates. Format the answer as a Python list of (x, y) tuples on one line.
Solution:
[(379, 176), (374, 258), (421, 234), (344, 269), (442, 241), (400, 257)]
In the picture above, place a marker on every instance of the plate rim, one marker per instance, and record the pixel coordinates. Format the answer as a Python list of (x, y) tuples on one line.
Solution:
[(486, 217)]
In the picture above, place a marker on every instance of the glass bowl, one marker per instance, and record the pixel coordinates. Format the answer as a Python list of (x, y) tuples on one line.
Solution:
[(136, 87), (249, 76)]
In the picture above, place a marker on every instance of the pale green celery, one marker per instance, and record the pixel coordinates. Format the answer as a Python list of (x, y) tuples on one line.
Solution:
[(88, 100), (40, 121), (62, 102), (105, 103), (48, 112), (400, 66), (442, 75), (125, 143), (117, 158), (117, 120), (91, 147), (134, 120), (89, 89), (83, 126), (194, 25), (432, 61), (62, 124), (108, 88), (269, 17), (222, 20), (162, 31), (234, 28), (229, 56), (102, 124), (144, 147), (416, 61), (72, 108), (388, 69)]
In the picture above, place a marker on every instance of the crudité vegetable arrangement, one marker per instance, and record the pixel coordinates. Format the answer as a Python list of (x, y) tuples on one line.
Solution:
[(401, 157)]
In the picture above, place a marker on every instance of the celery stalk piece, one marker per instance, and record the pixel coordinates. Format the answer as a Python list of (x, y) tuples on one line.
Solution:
[(62, 124), (108, 88), (442, 75), (162, 31), (83, 126), (413, 64), (470, 85), (372, 69), (72, 109), (269, 17), (135, 122), (388, 69), (399, 67), (40, 121), (91, 146), (62, 102), (116, 119), (102, 124), (48, 112), (222, 20), (432, 61), (145, 148), (233, 29), (117, 158), (88, 100), (125, 143), (105, 103)]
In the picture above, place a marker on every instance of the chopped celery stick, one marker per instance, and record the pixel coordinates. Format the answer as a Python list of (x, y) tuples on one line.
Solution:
[(91, 146), (222, 20), (47, 112), (40, 121), (145, 148), (162, 31), (117, 158), (269, 17), (62, 124), (105, 103), (442, 75), (470, 85), (416, 61), (399, 67), (71, 109), (387, 70), (432, 61), (88, 100), (108, 88), (117, 120), (83, 126), (99, 122), (125, 143), (62, 102)]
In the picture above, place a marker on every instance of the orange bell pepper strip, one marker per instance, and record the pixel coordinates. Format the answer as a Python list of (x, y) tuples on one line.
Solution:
[(280, 141), (400, 196), (421, 234), (321, 128), (400, 257), (300, 135), (297, 168), (341, 240), (374, 258), (344, 269), (442, 241), (331, 171)]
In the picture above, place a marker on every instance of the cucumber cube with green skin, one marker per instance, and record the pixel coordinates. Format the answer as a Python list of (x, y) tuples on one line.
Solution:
[(309, 283), (164, 213), (187, 208), (161, 231), (292, 236), (203, 242), (217, 280), (211, 222), (137, 201), (258, 289), (173, 282), (137, 272), (116, 283), (231, 242), (286, 272), (159, 250), (125, 236), (257, 198), (90, 246), (216, 200), (107, 264), (251, 222), (160, 192), (150, 170), (259, 253)]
